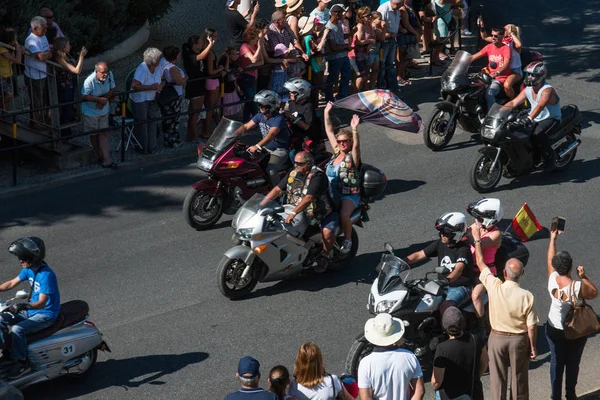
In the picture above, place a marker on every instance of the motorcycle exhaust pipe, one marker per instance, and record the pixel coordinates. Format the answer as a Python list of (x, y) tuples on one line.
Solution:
[(570, 148)]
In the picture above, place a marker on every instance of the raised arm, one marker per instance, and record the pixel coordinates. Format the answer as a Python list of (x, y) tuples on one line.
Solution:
[(355, 139), (551, 251), (329, 125)]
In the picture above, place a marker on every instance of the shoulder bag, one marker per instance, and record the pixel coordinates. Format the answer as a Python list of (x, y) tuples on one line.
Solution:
[(167, 95), (335, 395), (581, 320)]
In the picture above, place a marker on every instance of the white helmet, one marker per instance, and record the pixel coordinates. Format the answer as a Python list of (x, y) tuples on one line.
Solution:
[(487, 211), (452, 225), (267, 98), (299, 87)]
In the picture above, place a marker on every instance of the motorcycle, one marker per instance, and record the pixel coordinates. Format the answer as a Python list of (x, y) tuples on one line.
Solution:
[(509, 149), (269, 250), (69, 347), (234, 175), (464, 101), (416, 302)]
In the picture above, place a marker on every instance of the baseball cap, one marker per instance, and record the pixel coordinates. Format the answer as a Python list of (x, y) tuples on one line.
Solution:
[(248, 367), (280, 49), (453, 321), (337, 8)]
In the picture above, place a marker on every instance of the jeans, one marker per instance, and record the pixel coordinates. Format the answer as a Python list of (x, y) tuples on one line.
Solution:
[(67, 114), (248, 85), (339, 72), (387, 72), (492, 92), (459, 294), (21, 326), (564, 355)]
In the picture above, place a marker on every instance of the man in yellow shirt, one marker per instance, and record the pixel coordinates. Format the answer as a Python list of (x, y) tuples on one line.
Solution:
[(514, 324)]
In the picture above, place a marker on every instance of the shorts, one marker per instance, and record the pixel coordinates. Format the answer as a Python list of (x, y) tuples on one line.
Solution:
[(6, 84), (373, 58), (518, 71), (212, 84), (406, 39), (354, 198), (459, 294), (330, 222), (194, 89), (93, 123), (358, 66)]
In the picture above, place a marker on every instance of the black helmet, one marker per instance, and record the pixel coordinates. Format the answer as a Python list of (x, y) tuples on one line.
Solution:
[(535, 73), (31, 249)]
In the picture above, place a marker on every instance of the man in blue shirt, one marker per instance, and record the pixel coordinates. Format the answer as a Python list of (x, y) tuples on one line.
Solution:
[(44, 302), (276, 135), (249, 374)]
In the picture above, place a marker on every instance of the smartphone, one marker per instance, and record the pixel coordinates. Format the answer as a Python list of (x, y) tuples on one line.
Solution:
[(558, 224)]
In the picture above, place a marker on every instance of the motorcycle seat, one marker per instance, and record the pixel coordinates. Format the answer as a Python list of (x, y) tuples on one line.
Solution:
[(567, 114), (71, 313)]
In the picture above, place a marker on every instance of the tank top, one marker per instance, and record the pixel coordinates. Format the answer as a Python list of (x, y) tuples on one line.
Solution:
[(317, 63), (559, 308), (167, 75), (515, 56), (550, 111), (489, 253), (361, 52)]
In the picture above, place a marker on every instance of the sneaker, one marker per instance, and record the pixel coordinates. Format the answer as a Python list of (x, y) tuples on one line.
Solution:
[(467, 32), (321, 263), (19, 370), (346, 246)]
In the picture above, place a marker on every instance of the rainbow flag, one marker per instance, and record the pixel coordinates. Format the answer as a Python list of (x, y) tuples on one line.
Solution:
[(525, 224)]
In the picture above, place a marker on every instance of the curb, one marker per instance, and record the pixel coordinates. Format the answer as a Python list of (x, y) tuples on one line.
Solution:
[(94, 173)]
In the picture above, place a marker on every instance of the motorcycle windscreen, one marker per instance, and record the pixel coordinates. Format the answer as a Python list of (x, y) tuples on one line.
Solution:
[(457, 73), (389, 278), (250, 208), (224, 135), (497, 116)]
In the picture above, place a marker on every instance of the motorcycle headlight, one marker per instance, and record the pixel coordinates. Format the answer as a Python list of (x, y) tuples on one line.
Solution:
[(448, 86), (488, 132), (385, 306), (204, 164), (245, 233)]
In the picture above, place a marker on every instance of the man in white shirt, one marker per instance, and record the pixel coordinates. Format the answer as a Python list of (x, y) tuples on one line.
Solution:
[(389, 371), (390, 12), (35, 70)]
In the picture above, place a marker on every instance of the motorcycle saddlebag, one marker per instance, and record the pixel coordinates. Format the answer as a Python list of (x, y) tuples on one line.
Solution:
[(373, 181), (511, 247)]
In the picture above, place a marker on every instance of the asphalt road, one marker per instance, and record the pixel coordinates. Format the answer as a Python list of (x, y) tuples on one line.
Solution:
[(120, 243)]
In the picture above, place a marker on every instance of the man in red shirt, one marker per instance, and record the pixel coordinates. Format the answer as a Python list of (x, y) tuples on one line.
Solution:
[(498, 55)]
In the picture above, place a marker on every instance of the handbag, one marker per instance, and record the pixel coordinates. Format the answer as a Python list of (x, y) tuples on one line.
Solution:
[(167, 95), (581, 320)]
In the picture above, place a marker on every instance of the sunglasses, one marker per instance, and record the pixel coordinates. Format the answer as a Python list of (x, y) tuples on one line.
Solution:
[(343, 141), (300, 163), (495, 36), (267, 108)]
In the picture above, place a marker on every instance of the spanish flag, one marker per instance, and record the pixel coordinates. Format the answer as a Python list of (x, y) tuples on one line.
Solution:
[(525, 224)]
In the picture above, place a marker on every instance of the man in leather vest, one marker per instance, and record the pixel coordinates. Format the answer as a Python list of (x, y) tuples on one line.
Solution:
[(307, 188)]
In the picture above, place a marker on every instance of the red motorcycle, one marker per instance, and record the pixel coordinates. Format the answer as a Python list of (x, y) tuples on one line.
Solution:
[(233, 175)]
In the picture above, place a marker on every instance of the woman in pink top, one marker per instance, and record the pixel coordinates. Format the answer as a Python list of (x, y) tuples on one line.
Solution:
[(487, 214), (250, 56)]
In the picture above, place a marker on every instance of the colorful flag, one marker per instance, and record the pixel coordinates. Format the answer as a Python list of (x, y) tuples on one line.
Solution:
[(525, 224)]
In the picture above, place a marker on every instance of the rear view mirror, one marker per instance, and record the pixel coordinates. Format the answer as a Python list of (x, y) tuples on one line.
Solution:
[(266, 211), (486, 78), (388, 247), (22, 294), (279, 209)]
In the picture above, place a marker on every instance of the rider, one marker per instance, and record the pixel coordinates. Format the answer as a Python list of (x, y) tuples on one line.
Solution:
[(306, 187), (343, 172), (499, 57), (299, 112), (487, 214), (545, 108), (276, 134), (44, 303), (453, 253)]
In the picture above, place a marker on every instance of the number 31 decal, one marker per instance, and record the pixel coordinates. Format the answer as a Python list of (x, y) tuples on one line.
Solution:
[(68, 349)]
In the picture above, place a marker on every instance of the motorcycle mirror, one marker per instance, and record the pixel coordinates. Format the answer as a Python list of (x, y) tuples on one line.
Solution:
[(388, 247), (22, 294), (266, 211), (279, 209), (511, 118), (486, 78)]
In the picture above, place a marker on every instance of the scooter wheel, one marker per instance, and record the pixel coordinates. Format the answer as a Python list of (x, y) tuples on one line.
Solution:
[(359, 350), (229, 279), (202, 211), (482, 179), (86, 365), (434, 134)]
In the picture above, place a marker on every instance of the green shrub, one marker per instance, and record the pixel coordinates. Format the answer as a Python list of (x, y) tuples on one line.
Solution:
[(99, 25)]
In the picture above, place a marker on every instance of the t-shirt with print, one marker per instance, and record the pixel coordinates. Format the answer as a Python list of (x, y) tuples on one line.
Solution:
[(450, 256), (251, 394), (43, 282), (237, 24), (300, 112), (456, 357), (388, 372), (322, 391), (323, 15), (337, 35), (500, 56), (34, 68), (283, 138)]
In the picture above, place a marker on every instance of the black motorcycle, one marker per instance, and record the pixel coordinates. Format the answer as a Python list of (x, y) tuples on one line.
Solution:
[(509, 148), (464, 101)]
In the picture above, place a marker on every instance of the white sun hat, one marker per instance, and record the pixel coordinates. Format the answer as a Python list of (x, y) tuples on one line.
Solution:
[(384, 330)]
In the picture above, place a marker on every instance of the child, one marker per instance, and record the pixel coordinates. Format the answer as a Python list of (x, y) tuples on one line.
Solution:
[(373, 62), (314, 39), (280, 71), (279, 379), (232, 91)]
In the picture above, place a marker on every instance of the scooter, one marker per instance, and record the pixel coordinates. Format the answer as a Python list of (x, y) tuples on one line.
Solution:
[(234, 175), (417, 302), (464, 101), (509, 149), (267, 249), (69, 347)]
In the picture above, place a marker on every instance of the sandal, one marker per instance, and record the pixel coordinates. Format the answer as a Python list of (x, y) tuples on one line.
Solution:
[(403, 82)]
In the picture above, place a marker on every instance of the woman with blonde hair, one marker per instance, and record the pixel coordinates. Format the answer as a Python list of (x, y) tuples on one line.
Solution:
[(311, 382)]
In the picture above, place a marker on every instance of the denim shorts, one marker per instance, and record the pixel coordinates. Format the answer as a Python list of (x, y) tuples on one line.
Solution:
[(373, 57), (459, 294), (354, 198), (518, 71), (358, 66), (330, 222)]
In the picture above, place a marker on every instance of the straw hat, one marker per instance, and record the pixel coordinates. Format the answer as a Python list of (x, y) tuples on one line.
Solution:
[(306, 24), (384, 330), (293, 5), (280, 3)]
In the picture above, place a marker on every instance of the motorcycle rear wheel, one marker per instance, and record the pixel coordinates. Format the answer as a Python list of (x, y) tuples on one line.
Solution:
[(433, 134), (229, 274), (481, 178), (564, 163), (358, 351), (93, 356), (196, 212), (342, 261)]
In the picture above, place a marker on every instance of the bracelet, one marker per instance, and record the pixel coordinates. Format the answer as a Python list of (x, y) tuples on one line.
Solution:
[(477, 241), (293, 213), (258, 146)]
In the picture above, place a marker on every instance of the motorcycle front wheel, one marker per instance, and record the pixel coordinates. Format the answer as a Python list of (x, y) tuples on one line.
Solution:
[(229, 279), (434, 134), (342, 261), (359, 350), (482, 179), (202, 211)]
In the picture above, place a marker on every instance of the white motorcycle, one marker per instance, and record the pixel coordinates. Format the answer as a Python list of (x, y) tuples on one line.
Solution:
[(69, 347)]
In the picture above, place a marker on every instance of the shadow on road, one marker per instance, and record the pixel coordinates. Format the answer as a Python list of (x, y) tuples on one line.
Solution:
[(542, 348), (127, 373), (589, 117), (396, 186)]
